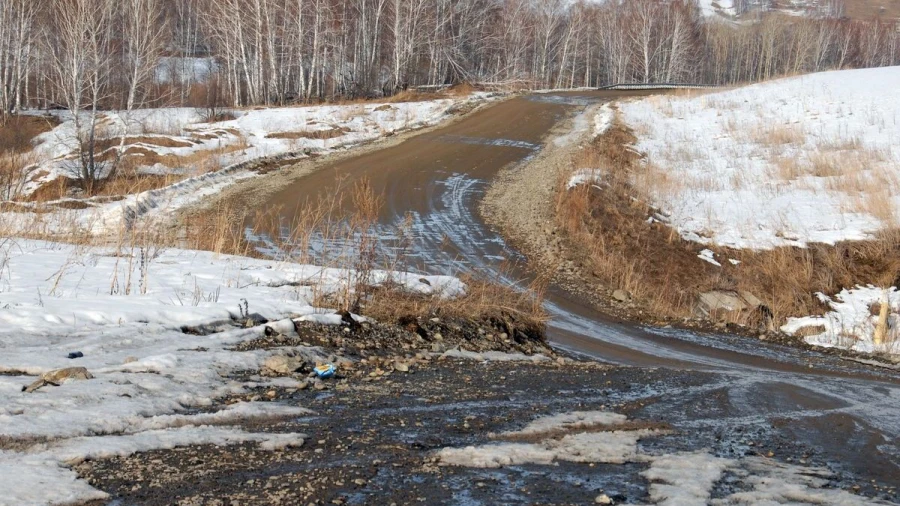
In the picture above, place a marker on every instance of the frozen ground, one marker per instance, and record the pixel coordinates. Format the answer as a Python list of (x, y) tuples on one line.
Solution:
[(787, 162), (210, 156), (153, 384)]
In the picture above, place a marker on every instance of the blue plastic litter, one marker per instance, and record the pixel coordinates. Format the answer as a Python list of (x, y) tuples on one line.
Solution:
[(325, 370)]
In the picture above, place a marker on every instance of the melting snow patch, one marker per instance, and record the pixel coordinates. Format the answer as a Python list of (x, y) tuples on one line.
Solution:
[(614, 447), (602, 447), (684, 479), (584, 176), (851, 322), (603, 119), (707, 255), (570, 421)]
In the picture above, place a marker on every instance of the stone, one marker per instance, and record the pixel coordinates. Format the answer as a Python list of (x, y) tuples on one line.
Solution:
[(281, 365), (621, 296), (602, 499), (719, 304), (129, 360), (400, 366)]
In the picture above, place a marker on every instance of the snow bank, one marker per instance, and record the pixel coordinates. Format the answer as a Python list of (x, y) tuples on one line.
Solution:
[(788, 162), (851, 322), (601, 447), (150, 376)]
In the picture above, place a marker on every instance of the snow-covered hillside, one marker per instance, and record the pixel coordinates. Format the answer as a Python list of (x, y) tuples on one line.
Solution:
[(740, 10), (805, 159)]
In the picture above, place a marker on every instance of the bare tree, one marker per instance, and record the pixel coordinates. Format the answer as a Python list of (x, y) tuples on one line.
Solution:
[(78, 44)]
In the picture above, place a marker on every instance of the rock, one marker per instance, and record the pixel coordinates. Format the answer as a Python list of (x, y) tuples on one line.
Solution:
[(319, 385), (129, 360), (281, 365), (621, 296), (359, 481), (58, 377), (400, 366), (720, 304), (602, 499)]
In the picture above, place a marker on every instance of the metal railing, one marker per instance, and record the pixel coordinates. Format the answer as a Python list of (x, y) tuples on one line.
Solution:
[(657, 86)]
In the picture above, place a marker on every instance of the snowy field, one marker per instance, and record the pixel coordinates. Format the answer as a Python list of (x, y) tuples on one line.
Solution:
[(210, 156), (788, 162), (152, 383), (728, 9)]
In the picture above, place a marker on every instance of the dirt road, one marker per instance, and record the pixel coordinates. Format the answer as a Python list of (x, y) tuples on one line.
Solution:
[(438, 179)]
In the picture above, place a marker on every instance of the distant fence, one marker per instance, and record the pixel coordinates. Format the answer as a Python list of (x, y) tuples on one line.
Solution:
[(657, 86)]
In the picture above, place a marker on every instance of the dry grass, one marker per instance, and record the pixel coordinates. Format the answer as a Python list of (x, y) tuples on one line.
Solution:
[(329, 133), (346, 221), (18, 132), (777, 135)]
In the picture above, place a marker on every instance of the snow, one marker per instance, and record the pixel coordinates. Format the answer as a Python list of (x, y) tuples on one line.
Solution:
[(603, 119), (210, 155), (614, 447), (175, 69), (787, 162), (584, 176), (773, 483), (684, 479), (707, 255), (153, 384), (570, 421), (717, 7), (850, 324), (726, 10)]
